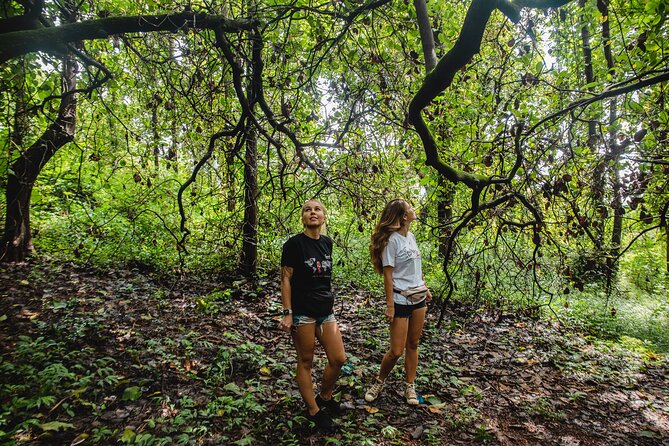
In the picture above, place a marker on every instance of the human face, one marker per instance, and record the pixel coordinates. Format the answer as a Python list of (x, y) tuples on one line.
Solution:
[(409, 214), (313, 214)]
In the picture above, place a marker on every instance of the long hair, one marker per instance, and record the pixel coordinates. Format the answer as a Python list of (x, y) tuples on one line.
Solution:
[(391, 220)]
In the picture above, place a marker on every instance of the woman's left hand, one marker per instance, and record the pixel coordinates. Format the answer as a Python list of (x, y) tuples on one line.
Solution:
[(428, 296), (286, 322)]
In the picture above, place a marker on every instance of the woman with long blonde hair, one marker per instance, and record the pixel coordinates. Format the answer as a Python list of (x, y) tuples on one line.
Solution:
[(395, 255)]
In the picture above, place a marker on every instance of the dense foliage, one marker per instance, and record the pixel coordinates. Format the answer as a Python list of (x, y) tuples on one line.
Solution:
[(181, 138), (195, 147)]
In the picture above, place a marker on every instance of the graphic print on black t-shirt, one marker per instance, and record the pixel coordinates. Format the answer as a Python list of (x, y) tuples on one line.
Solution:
[(311, 261), (319, 268)]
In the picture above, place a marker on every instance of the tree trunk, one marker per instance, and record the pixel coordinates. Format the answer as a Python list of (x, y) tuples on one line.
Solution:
[(250, 225), (16, 241)]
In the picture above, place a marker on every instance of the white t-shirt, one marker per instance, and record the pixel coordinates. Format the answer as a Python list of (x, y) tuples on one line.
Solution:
[(402, 254)]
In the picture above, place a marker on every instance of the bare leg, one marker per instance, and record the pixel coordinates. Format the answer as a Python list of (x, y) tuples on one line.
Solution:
[(398, 338), (304, 338), (330, 338), (411, 351)]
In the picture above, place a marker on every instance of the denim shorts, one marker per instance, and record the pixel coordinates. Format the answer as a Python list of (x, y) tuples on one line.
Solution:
[(299, 320), (406, 310)]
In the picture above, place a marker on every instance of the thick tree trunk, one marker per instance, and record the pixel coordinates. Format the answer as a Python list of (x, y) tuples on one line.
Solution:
[(16, 241), (593, 140), (250, 225)]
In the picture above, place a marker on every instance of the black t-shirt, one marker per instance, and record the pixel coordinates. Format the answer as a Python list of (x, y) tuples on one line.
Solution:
[(311, 261)]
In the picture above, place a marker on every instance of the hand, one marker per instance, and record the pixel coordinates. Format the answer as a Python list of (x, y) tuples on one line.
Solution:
[(286, 323), (390, 313), (428, 296)]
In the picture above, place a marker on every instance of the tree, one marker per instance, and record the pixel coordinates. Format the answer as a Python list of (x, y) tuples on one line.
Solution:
[(17, 238), (468, 44), (32, 32)]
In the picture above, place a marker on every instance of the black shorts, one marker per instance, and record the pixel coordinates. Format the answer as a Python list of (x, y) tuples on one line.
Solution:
[(406, 310)]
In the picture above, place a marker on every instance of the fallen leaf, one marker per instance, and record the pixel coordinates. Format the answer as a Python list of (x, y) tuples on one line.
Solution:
[(79, 439)]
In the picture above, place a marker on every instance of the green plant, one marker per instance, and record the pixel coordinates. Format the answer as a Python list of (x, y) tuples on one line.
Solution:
[(544, 408), (212, 302), (482, 435), (39, 374), (465, 416)]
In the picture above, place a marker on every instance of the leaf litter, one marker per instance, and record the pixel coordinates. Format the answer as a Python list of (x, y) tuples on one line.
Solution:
[(211, 349)]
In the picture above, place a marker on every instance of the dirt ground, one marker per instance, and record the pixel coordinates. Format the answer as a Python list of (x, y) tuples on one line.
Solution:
[(502, 381)]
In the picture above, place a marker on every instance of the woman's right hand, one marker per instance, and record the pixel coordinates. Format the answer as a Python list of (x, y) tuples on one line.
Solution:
[(286, 323), (390, 313)]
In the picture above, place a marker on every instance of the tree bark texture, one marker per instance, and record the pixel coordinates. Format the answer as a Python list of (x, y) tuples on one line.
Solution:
[(250, 224)]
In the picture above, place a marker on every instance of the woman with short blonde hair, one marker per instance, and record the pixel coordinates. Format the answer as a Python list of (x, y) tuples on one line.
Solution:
[(307, 299)]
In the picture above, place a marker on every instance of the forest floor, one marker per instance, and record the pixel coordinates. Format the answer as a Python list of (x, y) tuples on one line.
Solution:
[(121, 356)]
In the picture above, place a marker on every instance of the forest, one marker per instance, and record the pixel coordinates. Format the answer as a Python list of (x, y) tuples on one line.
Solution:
[(155, 158)]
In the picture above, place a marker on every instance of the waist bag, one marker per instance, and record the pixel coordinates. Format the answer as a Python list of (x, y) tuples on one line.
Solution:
[(415, 294)]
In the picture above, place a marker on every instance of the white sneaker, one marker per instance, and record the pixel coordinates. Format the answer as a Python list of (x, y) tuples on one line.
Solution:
[(410, 394), (374, 391)]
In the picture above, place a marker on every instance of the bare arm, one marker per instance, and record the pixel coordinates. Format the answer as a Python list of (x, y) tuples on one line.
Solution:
[(388, 288), (286, 302)]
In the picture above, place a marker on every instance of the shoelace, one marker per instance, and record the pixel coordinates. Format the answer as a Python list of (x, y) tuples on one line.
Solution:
[(411, 392), (376, 387)]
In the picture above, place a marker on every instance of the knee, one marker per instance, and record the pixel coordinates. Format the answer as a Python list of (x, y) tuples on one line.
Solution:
[(338, 361), (412, 345), (395, 353), (305, 363)]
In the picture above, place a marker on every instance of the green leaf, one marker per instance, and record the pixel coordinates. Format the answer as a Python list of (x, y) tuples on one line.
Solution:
[(132, 393), (232, 387), (56, 426), (433, 400)]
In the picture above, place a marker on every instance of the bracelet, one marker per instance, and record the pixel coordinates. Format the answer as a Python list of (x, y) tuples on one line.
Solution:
[(286, 311)]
